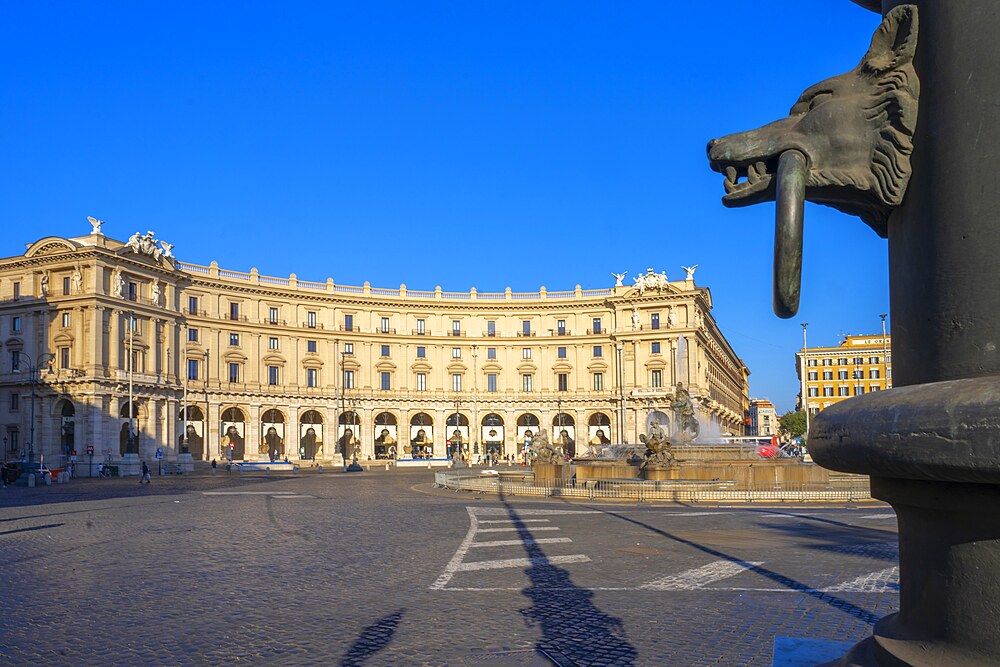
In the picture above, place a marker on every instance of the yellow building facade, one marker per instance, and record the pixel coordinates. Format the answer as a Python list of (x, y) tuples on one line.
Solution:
[(224, 364), (860, 364)]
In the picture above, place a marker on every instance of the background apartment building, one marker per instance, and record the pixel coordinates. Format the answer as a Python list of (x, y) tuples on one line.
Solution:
[(763, 417), (859, 364)]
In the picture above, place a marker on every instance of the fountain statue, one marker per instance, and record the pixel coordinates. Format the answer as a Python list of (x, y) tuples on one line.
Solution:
[(543, 450), (687, 428), (659, 450)]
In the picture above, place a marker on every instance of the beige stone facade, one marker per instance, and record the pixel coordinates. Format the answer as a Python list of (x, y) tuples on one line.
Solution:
[(269, 365)]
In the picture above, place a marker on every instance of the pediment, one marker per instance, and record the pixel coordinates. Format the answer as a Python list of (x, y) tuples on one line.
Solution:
[(50, 245)]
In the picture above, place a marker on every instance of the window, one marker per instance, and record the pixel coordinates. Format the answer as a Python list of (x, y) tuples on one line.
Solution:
[(456, 353), (828, 391), (654, 320), (656, 379), (598, 351), (193, 305), (561, 352), (859, 360), (873, 374), (561, 327), (491, 382), (272, 343), (132, 323), (456, 382), (526, 353), (311, 319), (456, 327), (813, 391), (827, 362), (234, 372), (421, 381), (15, 323), (133, 291), (272, 375), (15, 401), (193, 335), (841, 375), (526, 327), (65, 320), (597, 325), (842, 361), (17, 289), (66, 285), (63, 357), (348, 348), (15, 360), (654, 348), (348, 322), (598, 381), (272, 315), (192, 369), (386, 380), (811, 362), (874, 387), (827, 375), (421, 324), (234, 340), (491, 328), (312, 377), (526, 382), (843, 391), (311, 346), (13, 440), (384, 351), (234, 311), (813, 375), (421, 352), (385, 325), (562, 381), (859, 390), (491, 353), (872, 360), (348, 379)]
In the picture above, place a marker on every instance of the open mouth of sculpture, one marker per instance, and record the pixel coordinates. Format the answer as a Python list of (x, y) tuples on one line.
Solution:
[(748, 183)]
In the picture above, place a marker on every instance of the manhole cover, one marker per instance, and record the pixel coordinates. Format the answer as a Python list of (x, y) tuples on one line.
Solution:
[(517, 658)]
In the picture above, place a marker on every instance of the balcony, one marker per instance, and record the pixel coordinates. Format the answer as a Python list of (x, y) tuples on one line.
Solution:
[(457, 334), (352, 328), (526, 334), (425, 332), (312, 325), (387, 330)]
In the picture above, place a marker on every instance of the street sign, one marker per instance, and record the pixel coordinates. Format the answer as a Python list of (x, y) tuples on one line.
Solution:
[(159, 453), (90, 449)]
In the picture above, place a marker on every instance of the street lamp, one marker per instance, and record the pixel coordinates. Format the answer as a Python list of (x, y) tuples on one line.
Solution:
[(33, 371), (805, 386)]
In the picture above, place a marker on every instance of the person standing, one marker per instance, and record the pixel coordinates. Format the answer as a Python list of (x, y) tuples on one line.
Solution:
[(145, 474), (213, 466)]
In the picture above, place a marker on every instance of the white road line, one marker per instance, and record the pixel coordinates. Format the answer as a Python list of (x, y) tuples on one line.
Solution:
[(874, 582), (515, 530), (283, 497), (521, 562), (248, 493), (879, 516), (456, 561), (500, 511), (514, 521), (700, 577), (516, 543)]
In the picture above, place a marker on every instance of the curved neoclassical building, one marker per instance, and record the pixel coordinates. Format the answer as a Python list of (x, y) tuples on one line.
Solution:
[(250, 367)]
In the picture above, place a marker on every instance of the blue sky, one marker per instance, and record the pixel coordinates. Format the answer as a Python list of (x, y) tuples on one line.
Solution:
[(460, 144)]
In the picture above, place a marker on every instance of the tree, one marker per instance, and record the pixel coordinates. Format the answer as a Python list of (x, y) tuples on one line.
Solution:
[(792, 424)]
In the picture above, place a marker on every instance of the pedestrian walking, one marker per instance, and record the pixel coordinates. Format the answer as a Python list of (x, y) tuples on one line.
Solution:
[(213, 466), (145, 474)]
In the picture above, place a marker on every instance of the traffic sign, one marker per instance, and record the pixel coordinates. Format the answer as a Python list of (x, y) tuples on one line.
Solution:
[(159, 453), (90, 449)]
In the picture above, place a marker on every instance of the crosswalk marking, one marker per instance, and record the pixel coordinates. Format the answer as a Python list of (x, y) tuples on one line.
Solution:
[(514, 521), (700, 577), (516, 543), (873, 582), (521, 562), (516, 530), (248, 493)]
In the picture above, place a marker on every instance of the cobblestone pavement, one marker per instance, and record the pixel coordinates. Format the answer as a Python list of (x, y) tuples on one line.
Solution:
[(380, 568)]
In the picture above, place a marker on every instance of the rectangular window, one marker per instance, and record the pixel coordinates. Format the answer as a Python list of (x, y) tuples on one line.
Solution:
[(421, 353), (15, 324), (562, 381), (843, 391), (312, 377), (813, 375), (386, 383), (841, 375), (491, 382), (15, 401), (348, 322), (234, 372), (15, 360), (827, 362), (421, 381), (14, 440), (561, 327), (597, 325), (526, 383), (193, 305), (598, 351), (234, 311), (272, 375), (385, 325), (491, 328), (385, 350), (456, 382), (63, 357), (272, 315), (348, 348), (456, 353), (234, 340), (132, 323), (348, 379), (828, 391), (873, 374), (311, 346), (656, 379), (872, 360), (874, 387), (491, 353), (421, 327), (66, 285), (272, 343), (192, 369), (311, 319), (192, 335), (842, 361), (598, 381), (526, 353), (561, 352), (813, 391), (133, 291), (827, 375), (654, 348), (811, 362), (858, 361), (456, 327), (526, 327), (859, 390), (654, 320), (17, 289), (65, 320)]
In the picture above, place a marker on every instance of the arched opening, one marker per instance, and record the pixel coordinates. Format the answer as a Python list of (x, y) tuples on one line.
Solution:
[(272, 439), (527, 427), (310, 435), (67, 427), (192, 437), (349, 434), (457, 444), (599, 429), (128, 440), (421, 436), (492, 436), (661, 418), (233, 429), (564, 433), (385, 436)]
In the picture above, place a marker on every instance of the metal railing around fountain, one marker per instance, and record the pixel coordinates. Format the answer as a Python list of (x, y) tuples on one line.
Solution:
[(840, 488)]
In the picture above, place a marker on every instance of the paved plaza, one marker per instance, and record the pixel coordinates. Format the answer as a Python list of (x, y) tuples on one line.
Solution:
[(381, 568)]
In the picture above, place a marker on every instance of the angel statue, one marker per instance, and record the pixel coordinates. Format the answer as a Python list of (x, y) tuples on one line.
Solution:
[(619, 277), (95, 224), (689, 272)]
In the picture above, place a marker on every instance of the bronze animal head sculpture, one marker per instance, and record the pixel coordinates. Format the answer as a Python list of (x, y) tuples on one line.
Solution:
[(846, 143)]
